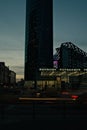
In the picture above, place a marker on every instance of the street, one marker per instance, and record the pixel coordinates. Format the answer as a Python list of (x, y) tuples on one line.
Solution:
[(43, 111)]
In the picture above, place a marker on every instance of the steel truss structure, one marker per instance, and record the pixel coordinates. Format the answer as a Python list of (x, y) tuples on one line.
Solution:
[(71, 56)]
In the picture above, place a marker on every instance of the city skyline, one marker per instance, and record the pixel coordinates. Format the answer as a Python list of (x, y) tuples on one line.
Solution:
[(69, 25)]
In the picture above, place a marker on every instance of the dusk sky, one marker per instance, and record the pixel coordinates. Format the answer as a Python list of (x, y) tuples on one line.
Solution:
[(70, 25)]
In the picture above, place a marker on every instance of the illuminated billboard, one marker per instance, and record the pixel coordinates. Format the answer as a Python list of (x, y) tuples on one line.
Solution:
[(55, 64)]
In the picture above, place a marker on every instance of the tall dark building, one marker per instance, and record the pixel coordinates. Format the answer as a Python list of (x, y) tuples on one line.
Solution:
[(38, 37)]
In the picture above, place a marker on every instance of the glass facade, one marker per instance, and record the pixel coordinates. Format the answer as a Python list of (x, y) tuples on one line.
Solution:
[(38, 37)]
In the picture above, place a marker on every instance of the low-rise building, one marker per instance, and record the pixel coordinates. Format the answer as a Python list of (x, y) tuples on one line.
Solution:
[(7, 77), (2, 70), (12, 77)]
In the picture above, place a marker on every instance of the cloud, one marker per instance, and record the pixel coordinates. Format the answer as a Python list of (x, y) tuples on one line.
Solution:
[(12, 57), (11, 42), (18, 69)]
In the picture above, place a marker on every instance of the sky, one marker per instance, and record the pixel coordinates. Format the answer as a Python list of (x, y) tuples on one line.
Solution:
[(69, 25)]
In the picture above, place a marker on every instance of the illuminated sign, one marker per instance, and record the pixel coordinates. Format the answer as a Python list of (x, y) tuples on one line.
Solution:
[(72, 70), (55, 64), (54, 69), (47, 69)]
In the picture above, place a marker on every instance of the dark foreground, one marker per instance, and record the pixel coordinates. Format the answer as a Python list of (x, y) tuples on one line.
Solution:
[(43, 115)]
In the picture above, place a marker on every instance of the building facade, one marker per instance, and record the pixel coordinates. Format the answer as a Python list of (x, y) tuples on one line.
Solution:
[(2, 73), (7, 77), (71, 56), (12, 78), (38, 38)]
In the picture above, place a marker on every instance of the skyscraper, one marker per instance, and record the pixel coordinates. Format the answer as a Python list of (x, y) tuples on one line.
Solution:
[(38, 37)]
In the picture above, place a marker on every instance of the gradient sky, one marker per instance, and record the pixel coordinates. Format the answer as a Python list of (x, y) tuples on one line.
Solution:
[(70, 24)]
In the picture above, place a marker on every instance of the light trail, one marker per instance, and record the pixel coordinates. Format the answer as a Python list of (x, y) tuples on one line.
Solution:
[(44, 99)]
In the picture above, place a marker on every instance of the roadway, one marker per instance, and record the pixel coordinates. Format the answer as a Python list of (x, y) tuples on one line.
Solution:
[(31, 110), (23, 110)]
